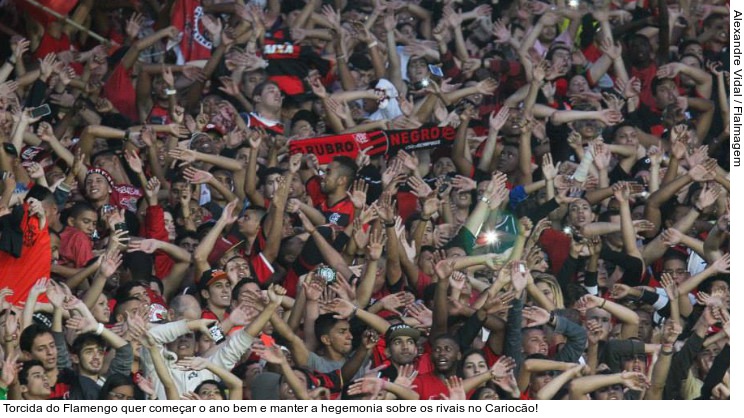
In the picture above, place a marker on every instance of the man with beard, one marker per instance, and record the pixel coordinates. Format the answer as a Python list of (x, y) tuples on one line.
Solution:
[(330, 194)]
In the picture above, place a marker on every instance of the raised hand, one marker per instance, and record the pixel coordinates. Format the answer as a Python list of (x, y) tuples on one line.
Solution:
[(147, 246), (621, 193), (635, 380), (444, 269), (196, 176), (595, 332), (520, 276), (275, 294), (192, 363), (620, 291), (722, 265), (9, 369), (376, 244), (670, 331), (229, 214), (704, 172), (81, 324), (110, 262), (463, 184), (358, 194), (456, 391), (134, 161), (367, 385), (487, 87), (181, 154), (501, 32), (502, 367), (708, 196), (534, 316)]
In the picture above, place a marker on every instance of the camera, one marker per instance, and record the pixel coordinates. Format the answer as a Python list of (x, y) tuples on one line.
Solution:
[(215, 332), (327, 274), (421, 84)]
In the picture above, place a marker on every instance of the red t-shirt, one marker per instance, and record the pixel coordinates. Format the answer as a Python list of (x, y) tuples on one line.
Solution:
[(119, 89), (646, 76), (49, 44), (35, 262), (423, 281), (76, 248), (155, 228), (429, 386), (557, 245)]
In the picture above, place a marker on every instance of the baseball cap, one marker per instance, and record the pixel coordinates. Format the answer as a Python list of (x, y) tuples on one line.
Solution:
[(401, 330), (211, 276)]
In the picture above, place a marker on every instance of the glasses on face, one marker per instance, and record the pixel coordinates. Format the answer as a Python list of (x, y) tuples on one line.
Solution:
[(121, 396)]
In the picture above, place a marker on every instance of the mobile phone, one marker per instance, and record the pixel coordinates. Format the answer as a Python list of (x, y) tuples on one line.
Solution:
[(445, 185), (215, 332), (421, 84), (121, 226), (436, 70), (328, 274), (41, 111), (10, 148)]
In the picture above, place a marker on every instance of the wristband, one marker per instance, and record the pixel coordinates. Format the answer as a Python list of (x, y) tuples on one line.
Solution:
[(171, 92), (425, 219), (354, 312), (3, 393), (697, 208), (601, 306), (485, 200), (126, 135), (666, 353), (372, 44), (551, 319), (100, 329), (390, 225)]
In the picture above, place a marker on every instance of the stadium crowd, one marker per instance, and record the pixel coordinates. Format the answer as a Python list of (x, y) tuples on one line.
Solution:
[(364, 199)]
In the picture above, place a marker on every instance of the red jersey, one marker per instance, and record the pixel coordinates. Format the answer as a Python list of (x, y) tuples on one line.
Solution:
[(341, 214), (272, 126), (35, 261)]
